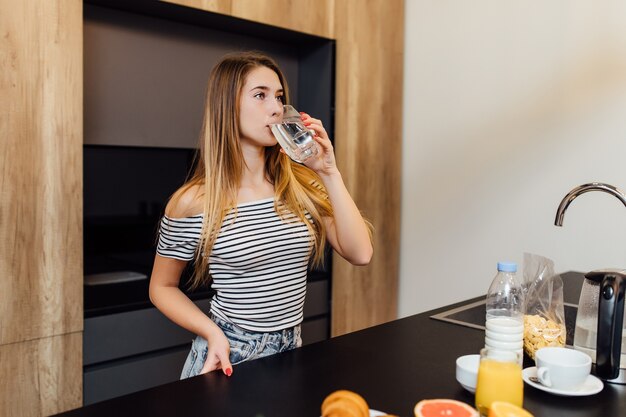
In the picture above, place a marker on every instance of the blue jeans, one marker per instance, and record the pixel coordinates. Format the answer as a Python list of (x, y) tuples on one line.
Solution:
[(245, 345)]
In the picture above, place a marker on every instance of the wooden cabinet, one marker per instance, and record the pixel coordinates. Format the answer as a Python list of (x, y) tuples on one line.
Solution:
[(314, 17), (368, 128), (41, 315)]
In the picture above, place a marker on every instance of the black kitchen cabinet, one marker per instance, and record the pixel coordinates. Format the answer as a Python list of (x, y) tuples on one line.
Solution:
[(139, 349)]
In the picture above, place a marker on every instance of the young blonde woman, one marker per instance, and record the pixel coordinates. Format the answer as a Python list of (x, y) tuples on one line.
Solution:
[(253, 221)]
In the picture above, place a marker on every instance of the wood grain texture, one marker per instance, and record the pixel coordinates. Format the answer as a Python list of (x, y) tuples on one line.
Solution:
[(41, 162), (41, 377), (215, 6), (314, 17), (41, 274), (370, 42)]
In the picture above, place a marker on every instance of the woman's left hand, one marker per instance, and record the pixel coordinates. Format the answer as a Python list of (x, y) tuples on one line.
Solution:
[(324, 162)]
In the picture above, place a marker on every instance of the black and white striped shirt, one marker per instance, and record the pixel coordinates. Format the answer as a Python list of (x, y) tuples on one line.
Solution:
[(258, 263)]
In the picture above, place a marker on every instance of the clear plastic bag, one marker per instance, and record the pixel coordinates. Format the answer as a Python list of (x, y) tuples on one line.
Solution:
[(544, 318)]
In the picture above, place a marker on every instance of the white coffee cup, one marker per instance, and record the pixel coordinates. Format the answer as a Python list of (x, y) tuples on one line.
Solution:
[(562, 368)]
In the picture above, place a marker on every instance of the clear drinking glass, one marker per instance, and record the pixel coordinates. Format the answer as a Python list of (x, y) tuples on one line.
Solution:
[(499, 379), (293, 136)]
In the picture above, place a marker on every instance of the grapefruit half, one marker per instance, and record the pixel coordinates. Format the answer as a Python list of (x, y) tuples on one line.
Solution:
[(443, 407)]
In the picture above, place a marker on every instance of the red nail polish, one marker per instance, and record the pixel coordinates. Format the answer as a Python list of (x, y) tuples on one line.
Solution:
[(229, 372)]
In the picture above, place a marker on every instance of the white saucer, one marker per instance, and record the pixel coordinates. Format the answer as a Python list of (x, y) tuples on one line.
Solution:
[(592, 385)]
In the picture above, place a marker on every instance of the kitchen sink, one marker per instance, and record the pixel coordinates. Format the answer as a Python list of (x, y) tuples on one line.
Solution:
[(473, 315)]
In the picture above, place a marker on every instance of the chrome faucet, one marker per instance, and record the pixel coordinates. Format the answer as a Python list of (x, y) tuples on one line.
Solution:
[(581, 189)]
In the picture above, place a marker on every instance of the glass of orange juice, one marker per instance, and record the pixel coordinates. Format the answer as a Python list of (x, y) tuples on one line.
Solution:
[(499, 379)]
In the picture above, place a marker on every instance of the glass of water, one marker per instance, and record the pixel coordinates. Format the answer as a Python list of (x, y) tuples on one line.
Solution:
[(293, 136)]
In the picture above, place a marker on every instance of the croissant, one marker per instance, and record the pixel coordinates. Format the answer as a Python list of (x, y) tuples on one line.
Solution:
[(344, 403)]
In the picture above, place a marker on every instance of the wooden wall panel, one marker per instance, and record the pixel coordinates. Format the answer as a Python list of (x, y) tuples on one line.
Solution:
[(41, 377), (40, 207), (314, 17), (215, 6), (41, 181), (370, 42), (309, 16)]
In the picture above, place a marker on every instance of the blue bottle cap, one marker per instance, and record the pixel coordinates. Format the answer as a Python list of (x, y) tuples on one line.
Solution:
[(507, 266)]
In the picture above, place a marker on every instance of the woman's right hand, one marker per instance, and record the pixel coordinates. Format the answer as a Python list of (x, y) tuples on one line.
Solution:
[(171, 301), (218, 353)]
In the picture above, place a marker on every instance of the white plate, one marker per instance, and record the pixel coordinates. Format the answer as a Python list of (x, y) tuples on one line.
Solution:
[(592, 385)]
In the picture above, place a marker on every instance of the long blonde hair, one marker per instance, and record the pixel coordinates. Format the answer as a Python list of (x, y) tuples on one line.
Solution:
[(220, 164)]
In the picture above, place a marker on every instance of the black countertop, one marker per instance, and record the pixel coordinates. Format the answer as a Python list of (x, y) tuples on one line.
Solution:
[(392, 366)]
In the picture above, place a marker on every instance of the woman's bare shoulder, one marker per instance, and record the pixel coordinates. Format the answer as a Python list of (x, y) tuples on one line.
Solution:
[(186, 202)]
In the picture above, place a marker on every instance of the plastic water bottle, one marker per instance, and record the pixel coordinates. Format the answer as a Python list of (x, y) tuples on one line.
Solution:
[(505, 316)]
